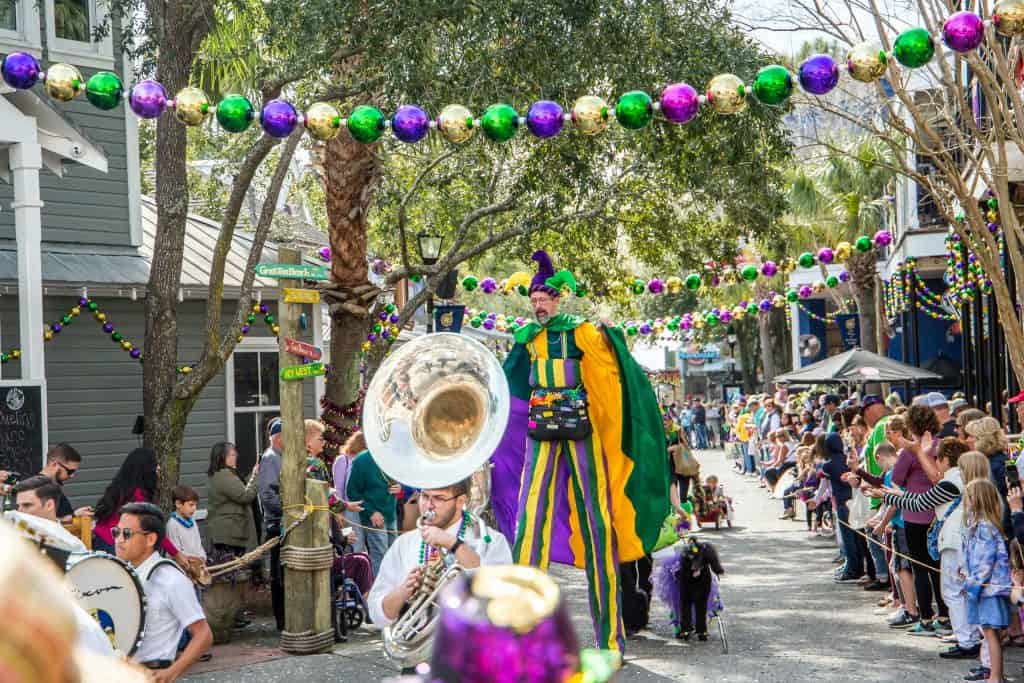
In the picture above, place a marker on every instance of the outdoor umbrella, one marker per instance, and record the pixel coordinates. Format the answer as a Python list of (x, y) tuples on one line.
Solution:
[(857, 365)]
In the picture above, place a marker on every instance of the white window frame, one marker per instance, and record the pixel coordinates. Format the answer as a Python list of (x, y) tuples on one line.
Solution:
[(26, 38), (247, 345), (99, 55)]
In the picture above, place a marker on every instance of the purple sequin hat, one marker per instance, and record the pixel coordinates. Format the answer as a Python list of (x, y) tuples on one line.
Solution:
[(544, 271)]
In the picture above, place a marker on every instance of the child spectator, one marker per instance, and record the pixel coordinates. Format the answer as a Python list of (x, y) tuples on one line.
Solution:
[(986, 570), (182, 528)]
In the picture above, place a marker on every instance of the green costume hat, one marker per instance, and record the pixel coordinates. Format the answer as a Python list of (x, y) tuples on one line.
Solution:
[(547, 280)]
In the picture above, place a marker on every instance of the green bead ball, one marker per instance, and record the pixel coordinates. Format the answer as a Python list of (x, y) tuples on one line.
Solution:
[(992, 203), (638, 287), (116, 336), (673, 325), (631, 330), (773, 85), (692, 282), (752, 309), (792, 296), (634, 110), (416, 277), (749, 272), (863, 244), (469, 283), (806, 260), (67, 319), (235, 114), (831, 282), (378, 328), (914, 48), (500, 122), (581, 290), (390, 308), (711, 319), (93, 306), (251, 318), (104, 90), (366, 124), (269, 318), (475, 322)]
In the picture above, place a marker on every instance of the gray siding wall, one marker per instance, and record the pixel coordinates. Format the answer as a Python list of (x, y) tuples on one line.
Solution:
[(94, 389), (85, 206)]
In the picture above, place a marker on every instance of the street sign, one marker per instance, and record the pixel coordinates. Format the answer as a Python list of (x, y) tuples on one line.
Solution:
[(294, 372), (301, 296), (302, 349), (298, 271)]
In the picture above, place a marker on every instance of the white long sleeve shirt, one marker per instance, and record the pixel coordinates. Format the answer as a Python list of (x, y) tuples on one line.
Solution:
[(404, 554)]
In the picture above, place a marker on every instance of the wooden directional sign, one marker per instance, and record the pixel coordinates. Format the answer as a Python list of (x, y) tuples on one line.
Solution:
[(302, 349), (301, 296), (294, 372), (298, 271)]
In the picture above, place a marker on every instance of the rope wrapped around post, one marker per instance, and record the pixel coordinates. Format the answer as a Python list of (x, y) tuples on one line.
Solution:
[(308, 559), (254, 554), (306, 642)]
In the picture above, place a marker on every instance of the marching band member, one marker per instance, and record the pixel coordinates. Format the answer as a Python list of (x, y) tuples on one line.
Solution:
[(445, 526)]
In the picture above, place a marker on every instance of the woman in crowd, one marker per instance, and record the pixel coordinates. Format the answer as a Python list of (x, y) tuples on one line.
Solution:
[(230, 522), (714, 420), (355, 445), (135, 482), (964, 418), (911, 473), (807, 423)]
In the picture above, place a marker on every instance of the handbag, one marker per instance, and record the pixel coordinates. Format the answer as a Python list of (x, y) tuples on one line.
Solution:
[(559, 410), (936, 528), (683, 462)]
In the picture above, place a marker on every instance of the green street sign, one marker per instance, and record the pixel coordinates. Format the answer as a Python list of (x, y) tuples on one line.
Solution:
[(300, 271), (294, 372)]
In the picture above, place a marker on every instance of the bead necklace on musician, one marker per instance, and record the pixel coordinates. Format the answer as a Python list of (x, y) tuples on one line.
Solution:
[(443, 527)]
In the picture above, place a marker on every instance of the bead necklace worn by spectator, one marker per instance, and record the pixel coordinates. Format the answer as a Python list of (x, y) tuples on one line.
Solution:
[(428, 551)]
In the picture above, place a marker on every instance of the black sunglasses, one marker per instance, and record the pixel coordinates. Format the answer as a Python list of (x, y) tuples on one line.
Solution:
[(118, 532), (68, 470)]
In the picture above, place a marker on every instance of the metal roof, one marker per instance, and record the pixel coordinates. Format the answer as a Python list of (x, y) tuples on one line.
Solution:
[(80, 265)]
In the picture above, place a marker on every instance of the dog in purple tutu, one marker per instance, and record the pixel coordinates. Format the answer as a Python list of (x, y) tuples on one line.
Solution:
[(688, 584)]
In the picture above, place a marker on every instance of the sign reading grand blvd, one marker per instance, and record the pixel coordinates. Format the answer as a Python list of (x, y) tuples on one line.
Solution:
[(302, 349), (294, 372), (298, 271)]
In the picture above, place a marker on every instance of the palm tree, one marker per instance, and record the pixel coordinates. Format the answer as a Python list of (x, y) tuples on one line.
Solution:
[(840, 199)]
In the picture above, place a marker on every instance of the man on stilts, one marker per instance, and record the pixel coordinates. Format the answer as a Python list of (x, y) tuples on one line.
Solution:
[(585, 445)]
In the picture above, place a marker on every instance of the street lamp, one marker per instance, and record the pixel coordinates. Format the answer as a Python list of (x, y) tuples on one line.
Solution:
[(732, 339), (429, 246)]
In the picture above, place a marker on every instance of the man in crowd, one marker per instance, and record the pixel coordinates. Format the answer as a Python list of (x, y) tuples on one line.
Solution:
[(62, 463), (700, 423), (445, 528), (366, 482), (38, 496), (937, 402), (171, 603), (830, 404), (269, 487)]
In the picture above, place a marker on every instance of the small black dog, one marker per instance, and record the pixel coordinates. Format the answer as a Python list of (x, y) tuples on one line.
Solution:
[(694, 579)]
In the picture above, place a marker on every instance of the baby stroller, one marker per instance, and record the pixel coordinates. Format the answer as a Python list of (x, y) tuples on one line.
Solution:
[(350, 609), (713, 506)]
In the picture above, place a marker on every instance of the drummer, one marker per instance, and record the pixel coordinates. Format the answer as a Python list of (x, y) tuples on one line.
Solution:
[(171, 603)]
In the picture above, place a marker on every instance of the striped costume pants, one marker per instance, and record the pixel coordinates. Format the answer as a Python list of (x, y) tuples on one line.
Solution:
[(588, 476)]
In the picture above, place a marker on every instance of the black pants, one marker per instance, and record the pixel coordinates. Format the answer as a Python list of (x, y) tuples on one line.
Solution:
[(636, 587), (926, 581), (683, 482), (276, 579), (693, 599)]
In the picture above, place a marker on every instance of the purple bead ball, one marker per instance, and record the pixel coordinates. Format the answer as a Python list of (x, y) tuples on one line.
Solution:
[(725, 317), (545, 118), (385, 333), (56, 327), (372, 337), (488, 285), (245, 329), (819, 74), (679, 102), (645, 329), (765, 305), (489, 324), (993, 228), (325, 253), (147, 99), (278, 118), (410, 123), (805, 291), (744, 303), (108, 327), (844, 276), (826, 255), (685, 324), (20, 70), (768, 269), (82, 301), (393, 318), (963, 31), (264, 309), (382, 316), (655, 286), (135, 353), (883, 238)]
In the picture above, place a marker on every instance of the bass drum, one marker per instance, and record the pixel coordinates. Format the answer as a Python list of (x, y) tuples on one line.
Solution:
[(110, 591)]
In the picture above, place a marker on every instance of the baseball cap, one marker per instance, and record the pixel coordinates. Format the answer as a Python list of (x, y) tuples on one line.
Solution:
[(870, 400), (1018, 398), (831, 399), (275, 426), (935, 399), (958, 403)]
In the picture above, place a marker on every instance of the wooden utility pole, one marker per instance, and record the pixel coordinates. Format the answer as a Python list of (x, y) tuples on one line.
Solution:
[(306, 553)]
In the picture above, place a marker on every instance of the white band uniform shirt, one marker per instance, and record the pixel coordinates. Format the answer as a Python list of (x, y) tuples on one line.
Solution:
[(171, 607)]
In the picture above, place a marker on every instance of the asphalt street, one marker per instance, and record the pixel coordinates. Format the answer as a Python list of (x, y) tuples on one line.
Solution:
[(785, 621)]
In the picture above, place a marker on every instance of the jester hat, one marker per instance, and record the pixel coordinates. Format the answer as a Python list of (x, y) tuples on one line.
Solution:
[(547, 280)]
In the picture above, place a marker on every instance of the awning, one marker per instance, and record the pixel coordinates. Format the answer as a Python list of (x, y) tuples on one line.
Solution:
[(857, 365)]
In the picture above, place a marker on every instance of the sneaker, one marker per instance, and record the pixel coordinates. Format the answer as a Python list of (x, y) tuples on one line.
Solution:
[(865, 580), (702, 636), (922, 628), (903, 620), (949, 639), (941, 630), (979, 674), (957, 652), (846, 578), (877, 586), (788, 514), (882, 611), (838, 559)]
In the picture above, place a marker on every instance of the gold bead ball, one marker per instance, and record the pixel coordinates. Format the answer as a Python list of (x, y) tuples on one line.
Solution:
[(276, 330), (738, 312), (395, 331), (240, 337), (101, 317), (1008, 17), (15, 353), (674, 284), (126, 345), (698, 322), (729, 275), (991, 216), (818, 287), (843, 251), (788, 266), (191, 106), (866, 62), (727, 94), (63, 82), (366, 347), (590, 115), (778, 301), (456, 123), (185, 369), (255, 308), (323, 121), (76, 310), (47, 336)]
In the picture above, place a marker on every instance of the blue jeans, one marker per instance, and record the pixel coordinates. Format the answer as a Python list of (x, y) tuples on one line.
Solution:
[(749, 466), (701, 431), (878, 559), (377, 543), (854, 560)]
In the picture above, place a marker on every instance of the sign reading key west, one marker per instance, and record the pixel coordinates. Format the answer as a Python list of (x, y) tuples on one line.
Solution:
[(302, 349), (298, 271), (294, 372)]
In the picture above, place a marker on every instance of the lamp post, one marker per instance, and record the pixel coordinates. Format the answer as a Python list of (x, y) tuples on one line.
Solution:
[(429, 246), (731, 339)]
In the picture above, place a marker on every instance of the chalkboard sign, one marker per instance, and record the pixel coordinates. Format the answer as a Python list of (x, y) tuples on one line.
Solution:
[(21, 428)]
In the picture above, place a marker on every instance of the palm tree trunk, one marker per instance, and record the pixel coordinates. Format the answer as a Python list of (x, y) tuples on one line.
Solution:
[(863, 279), (352, 173)]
